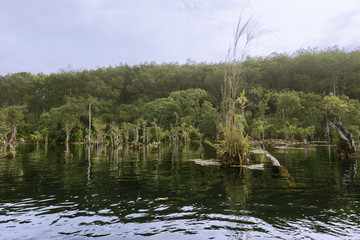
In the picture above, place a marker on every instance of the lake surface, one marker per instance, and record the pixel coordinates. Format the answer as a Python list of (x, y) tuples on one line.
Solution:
[(162, 194)]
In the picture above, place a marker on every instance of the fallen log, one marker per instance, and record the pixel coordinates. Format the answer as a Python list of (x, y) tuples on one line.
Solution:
[(206, 162), (274, 161)]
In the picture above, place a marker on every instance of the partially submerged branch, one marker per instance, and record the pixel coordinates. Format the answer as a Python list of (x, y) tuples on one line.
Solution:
[(274, 161), (281, 170)]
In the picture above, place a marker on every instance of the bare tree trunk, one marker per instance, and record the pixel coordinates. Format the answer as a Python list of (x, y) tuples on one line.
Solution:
[(148, 135), (67, 147), (144, 134), (13, 133), (283, 114), (67, 135), (136, 143), (127, 137), (176, 134)]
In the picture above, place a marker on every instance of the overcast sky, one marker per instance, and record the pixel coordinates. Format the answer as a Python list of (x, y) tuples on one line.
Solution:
[(47, 35)]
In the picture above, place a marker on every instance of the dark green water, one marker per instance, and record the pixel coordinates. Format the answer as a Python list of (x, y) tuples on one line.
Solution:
[(49, 194)]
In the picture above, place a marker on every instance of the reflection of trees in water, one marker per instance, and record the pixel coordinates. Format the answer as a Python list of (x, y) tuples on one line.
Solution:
[(345, 175), (3, 150), (100, 149), (12, 171), (237, 185), (175, 152), (89, 163), (137, 162), (241, 182)]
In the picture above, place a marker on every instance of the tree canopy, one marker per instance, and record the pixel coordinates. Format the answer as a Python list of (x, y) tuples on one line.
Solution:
[(283, 91)]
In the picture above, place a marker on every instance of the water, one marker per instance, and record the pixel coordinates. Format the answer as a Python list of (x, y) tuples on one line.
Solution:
[(161, 194)]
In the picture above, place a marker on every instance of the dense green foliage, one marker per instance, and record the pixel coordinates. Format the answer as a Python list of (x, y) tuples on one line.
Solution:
[(182, 102)]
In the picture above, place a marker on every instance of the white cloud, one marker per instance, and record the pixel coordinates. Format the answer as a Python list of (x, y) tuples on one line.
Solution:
[(300, 24), (44, 36)]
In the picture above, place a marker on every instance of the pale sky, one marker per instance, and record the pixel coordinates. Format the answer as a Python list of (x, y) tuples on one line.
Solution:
[(47, 35)]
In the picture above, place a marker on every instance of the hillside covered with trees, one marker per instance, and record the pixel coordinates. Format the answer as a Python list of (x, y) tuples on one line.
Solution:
[(153, 102)]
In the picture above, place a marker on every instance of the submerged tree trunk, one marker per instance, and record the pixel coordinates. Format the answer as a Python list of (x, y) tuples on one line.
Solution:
[(144, 134), (136, 141), (112, 137), (148, 135), (89, 140)]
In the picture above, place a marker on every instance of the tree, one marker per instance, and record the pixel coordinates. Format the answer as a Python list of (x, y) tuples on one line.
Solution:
[(68, 115), (127, 128), (288, 104), (115, 135), (189, 101), (45, 125), (136, 135), (337, 106), (158, 132), (99, 128), (343, 138), (5, 128), (208, 120), (306, 132), (259, 127), (36, 137), (13, 116), (163, 110), (143, 123)]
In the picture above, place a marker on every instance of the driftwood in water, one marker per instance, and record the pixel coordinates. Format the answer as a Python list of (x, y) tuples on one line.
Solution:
[(274, 161), (206, 162), (344, 140)]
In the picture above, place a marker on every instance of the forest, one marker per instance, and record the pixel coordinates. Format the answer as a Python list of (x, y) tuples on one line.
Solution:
[(288, 97)]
